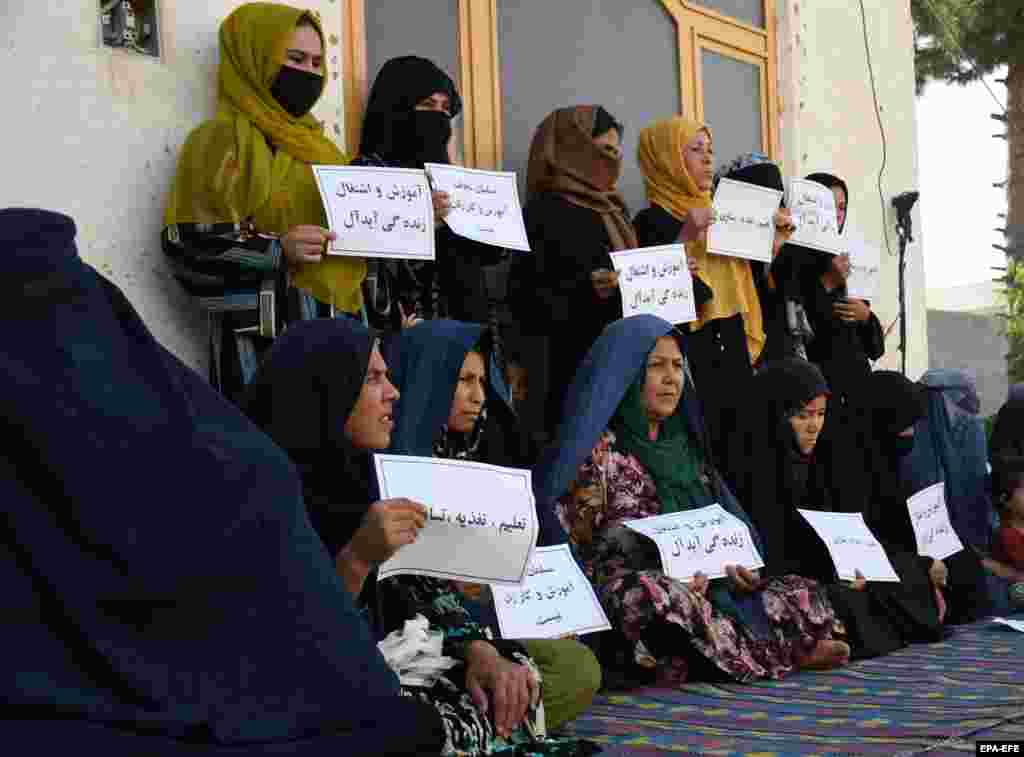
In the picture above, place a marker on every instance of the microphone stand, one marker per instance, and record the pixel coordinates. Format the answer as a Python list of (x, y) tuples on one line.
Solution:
[(904, 230)]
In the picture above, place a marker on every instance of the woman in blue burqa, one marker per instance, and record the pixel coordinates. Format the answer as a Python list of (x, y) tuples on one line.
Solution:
[(163, 592), (633, 446), (949, 446)]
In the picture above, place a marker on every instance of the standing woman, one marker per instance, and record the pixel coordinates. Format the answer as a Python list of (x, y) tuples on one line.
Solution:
[(566, 289), (408, 123), (675, 157), (244, 205)]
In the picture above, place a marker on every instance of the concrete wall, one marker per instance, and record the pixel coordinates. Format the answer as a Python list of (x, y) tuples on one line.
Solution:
[(94, 133), (972, 343), (828, 122)]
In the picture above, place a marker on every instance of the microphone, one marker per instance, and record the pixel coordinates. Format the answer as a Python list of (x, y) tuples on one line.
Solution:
[(905, 201)]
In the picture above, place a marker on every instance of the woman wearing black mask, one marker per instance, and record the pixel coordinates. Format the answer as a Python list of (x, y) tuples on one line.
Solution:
[(244, 205), (409, 123)]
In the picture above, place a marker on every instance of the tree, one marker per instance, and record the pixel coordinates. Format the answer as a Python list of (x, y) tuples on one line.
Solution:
[(959, 41)]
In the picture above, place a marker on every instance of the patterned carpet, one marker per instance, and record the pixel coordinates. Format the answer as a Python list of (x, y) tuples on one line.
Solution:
[(936, 699)]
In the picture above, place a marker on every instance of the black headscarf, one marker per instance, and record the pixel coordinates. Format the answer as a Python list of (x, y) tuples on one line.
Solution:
[(773, 478), (393, 130), (161, 588), (1008, 431), (823, 261), (301, 397)]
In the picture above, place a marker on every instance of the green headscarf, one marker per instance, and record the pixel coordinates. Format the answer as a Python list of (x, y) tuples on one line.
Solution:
[(674, 463)]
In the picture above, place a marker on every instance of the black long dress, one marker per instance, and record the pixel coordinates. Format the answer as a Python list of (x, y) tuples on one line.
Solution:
[(551, 291), (773, 480)]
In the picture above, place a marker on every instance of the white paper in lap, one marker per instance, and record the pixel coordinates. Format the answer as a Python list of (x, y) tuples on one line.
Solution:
[(745, 227), (699, 541), (656, 281), (813, 207), (865, 268), (930, 517), (484, 205), (378, 212), (556, 599), (851, 545), (482, 524)]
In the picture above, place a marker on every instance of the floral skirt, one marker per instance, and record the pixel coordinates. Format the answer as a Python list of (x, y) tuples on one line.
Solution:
[(646, 605)]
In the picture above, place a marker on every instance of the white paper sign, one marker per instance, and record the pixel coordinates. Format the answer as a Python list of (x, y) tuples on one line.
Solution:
[(555, 600), (745, 227), (852, 545), (656, 280), (700, 541), (378, 212), (1016, 625), (813, 207), (865, 268), (482, 523), (485, 205), (930, 518)]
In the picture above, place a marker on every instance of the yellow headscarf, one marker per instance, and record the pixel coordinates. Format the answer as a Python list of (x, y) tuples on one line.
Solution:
[(227, 171), (670, 186)]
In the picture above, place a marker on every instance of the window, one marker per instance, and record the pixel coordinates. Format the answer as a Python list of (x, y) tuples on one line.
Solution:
[(130, 25)]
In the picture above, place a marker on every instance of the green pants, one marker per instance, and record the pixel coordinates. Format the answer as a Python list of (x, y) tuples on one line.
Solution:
[(571, 677)]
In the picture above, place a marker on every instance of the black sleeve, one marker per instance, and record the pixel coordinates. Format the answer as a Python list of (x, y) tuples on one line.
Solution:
[(217, 257), (484, 254), (872, 338)]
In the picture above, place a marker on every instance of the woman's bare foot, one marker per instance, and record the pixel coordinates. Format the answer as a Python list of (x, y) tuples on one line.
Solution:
[(826, 655)]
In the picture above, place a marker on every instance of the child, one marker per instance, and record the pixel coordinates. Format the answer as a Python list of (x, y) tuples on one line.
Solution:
[(1008, 550)]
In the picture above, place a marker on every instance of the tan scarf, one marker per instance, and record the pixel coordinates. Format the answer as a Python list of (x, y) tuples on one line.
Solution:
[(565, 161)]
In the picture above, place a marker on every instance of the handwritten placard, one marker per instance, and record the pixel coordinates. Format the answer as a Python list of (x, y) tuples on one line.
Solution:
[(851, 545), (378, 212), (813, 207), (865, 268), (555, 600), (481, 526), (745, 227), (699, 541), (930, 518), (656, 280), (485, 205)]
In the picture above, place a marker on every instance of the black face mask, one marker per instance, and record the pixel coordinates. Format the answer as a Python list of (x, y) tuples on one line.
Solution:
[(423, 137), (296, 90)]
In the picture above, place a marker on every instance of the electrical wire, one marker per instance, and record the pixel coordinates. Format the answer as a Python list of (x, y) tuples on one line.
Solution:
[(881, 126)]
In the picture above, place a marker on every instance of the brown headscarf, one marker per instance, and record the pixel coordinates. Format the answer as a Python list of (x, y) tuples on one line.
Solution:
[(564, 160)]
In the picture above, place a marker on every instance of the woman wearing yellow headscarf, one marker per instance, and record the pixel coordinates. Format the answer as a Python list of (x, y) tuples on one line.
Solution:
[(244, 204), (675, 157)]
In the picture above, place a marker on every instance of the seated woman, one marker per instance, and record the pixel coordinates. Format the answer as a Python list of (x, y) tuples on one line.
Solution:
[(454, 404), (152, 607), (566, 289), (324, 396), (785, 466), (408, 123), (244, 205), (890, 406), (632, 447), (949, 446)]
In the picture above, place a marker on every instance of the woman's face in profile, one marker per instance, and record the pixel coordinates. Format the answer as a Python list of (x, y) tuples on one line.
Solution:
[(305, 51)]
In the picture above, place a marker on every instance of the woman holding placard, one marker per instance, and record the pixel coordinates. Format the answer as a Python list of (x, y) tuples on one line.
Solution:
[(567, 289), (675, 157), (455, 405), (633, 447), (949, 447), (244, 205), (324, 396), (785, 465), (408, 123)]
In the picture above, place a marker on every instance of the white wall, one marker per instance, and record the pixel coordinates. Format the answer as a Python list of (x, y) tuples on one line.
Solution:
[(828, 123), (95, 133)]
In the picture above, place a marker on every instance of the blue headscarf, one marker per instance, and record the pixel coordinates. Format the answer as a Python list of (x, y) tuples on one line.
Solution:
[(163, 579), (614, 363), (949, 446), (425, 362)]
